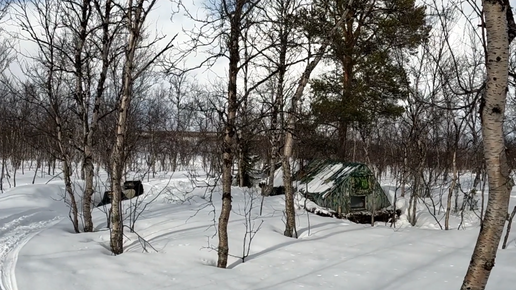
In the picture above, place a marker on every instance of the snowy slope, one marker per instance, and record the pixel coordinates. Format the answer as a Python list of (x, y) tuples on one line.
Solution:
[(25, 211), (330, 253)]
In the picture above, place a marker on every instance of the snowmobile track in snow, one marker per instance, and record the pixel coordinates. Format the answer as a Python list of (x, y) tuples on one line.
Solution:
[(15, 232)]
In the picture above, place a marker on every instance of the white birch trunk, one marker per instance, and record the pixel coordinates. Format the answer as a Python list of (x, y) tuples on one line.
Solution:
[(500, 183)]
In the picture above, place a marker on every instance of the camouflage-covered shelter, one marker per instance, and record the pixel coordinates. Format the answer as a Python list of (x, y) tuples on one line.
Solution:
[(343, 187)]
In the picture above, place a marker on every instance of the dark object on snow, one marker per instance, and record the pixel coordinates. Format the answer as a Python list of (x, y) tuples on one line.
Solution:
[(361, 217), (343, 187), (267, 189), (278, 190), (129, 186), (106, 199), (130, 189), (364, 217)]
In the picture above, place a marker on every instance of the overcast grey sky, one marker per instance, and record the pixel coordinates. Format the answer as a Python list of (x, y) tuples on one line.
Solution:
[(163, 21)]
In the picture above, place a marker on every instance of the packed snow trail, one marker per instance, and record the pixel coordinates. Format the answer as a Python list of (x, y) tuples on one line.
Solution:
[(15, 232), (26, 211)]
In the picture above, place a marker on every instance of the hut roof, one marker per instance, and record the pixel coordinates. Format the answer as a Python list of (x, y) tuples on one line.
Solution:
[(323, 176)]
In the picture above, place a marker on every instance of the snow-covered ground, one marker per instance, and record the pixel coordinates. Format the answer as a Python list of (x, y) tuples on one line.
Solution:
[(39, 251)]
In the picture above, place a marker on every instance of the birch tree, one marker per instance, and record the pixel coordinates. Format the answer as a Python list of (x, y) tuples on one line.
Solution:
[(500, 31), (91, 39), (135, 16), (235, 11), (223, 34), (291, 120), (80, 34), (282, 34), (41, 20), (80, 26)]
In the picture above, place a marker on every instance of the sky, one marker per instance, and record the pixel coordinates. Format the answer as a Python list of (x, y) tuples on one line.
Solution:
[(167, 19)]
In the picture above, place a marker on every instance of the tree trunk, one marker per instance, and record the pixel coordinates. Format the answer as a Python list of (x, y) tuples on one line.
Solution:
[(64, 153), (509, 225), (269, 187), (82, 100), (404, 172), (343, 141), (116, 238), (88, 171), (500, 182), (412, 218), (450, 192), (15, 168), (290, 225), (241, 166), (134, 19), (90, 128), (38, 165), (277, 101), (67, 170), (373, 204), (228, 145), (290, 211), (74, 212), (117, 232), (2, 175)]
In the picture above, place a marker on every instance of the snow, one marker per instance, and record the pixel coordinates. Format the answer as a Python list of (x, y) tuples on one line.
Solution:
[(278, 177), (38, 249), (321, 182), (278, 174)]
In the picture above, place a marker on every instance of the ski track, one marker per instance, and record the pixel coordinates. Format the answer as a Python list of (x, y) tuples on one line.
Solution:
[(15, 232)]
